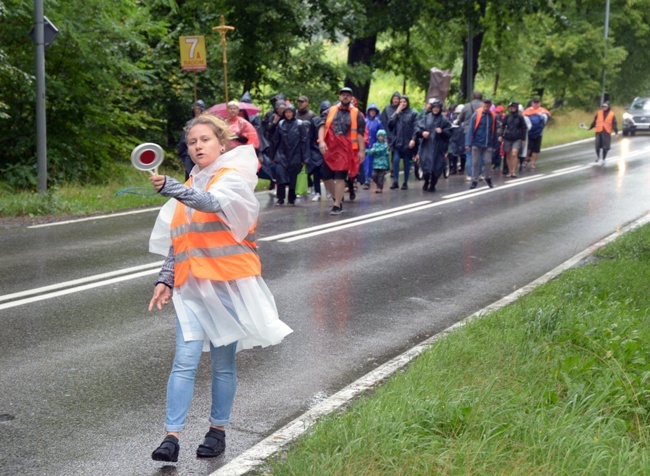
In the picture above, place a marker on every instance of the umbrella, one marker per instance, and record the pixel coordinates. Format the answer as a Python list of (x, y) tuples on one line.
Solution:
[(222, 109)]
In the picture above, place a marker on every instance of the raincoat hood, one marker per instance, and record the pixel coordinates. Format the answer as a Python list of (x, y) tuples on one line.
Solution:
[(246, 97), (381, 132), (324, 106), (372, 106), (290, 107)]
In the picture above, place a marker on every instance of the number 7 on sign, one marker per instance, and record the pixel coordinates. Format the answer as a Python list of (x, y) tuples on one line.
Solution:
[(193, 53)]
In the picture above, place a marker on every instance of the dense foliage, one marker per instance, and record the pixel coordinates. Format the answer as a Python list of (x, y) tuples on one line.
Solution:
[(114, 80)]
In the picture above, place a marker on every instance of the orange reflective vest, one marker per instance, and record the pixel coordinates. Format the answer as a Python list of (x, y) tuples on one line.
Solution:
[(479, 115), (354, 133), (205, 246), (604, 122)]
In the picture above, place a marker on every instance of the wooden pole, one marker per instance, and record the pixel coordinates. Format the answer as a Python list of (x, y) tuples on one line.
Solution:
[(195, 98), (223, 29)]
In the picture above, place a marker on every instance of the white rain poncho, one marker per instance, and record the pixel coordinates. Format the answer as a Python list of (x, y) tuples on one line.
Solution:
[(223, 312)]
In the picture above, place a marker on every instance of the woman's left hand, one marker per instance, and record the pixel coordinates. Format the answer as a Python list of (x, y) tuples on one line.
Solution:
[(161, 296), (158, 182)]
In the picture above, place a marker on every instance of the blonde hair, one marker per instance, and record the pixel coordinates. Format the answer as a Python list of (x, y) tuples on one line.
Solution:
[(218, 126), (234, 103)]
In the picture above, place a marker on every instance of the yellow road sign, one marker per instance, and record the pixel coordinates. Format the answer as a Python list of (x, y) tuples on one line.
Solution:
[(193, 53)]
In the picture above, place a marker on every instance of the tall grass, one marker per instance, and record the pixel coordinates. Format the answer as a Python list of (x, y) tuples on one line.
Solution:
[(558, 383)]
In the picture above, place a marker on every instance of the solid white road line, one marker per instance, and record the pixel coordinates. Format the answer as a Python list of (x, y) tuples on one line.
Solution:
[(75, 282), (97, 217), (340, 222), (258, 454), (77, 289)]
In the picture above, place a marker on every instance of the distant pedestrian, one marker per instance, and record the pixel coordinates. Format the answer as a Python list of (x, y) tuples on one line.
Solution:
[(197, 109), (481, 140), (387, 113), (303, 112), (213, 271), (464, 119), (539, 117), (245, 133), (373, 124), (402, 124), (514, 135), (605, 124), (288, 152), (340, 139), (380, 160), (432, 132), (314, 157)]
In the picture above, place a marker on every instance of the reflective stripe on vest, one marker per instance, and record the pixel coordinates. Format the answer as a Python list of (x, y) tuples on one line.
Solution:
[(604, 123), (354, 115), (205, 247)]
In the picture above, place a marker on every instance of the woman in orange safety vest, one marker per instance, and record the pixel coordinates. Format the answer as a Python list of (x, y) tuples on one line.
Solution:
[(605, 123), (212, 273)]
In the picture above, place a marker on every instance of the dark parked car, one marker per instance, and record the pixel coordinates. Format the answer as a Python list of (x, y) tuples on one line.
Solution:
[(637, 117)]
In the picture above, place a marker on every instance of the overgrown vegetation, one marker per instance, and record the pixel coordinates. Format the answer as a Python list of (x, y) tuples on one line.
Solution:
[(558, 383), (114, 80)]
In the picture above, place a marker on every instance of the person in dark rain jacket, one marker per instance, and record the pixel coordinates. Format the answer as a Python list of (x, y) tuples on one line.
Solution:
[(288, 152), (402, 124), (386, 114), (432, 132), (481, 139), (314, 157)]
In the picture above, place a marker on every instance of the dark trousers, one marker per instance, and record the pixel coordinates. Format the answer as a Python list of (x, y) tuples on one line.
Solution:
[(379, 177)]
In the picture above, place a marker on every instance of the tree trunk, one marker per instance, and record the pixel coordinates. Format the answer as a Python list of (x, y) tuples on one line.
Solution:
[(361, 51), (477, 40)]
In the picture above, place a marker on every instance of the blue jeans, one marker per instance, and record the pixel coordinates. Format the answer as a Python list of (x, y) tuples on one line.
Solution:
[(406, 156), (180, 386)]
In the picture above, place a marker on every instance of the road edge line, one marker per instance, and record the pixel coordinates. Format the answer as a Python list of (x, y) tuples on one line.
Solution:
[(258, 454)]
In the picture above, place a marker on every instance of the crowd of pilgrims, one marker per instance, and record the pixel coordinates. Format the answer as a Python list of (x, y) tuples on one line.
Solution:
[(434, 140)]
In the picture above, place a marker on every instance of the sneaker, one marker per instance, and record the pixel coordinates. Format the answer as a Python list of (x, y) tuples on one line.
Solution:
[(213, 445), (395, 186), (316, 198), (336, 210), (468, 178), (404, 186), (328, 195), (473, 186), (489, 182)]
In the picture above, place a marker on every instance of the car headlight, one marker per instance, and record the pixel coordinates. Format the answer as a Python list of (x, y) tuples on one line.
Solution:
[(627, 116)]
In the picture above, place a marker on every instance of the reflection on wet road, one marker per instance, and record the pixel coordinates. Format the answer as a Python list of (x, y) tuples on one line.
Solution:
[(83, 365)]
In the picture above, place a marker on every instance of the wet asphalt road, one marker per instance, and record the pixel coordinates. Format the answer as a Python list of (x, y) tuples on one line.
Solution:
[(83, 375)]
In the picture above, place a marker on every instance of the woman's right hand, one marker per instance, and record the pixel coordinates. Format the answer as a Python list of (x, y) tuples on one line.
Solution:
[(158, 182), (161, 296)]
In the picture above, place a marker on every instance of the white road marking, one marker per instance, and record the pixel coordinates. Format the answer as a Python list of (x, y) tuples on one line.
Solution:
[(337, 223), (64, 292), (96, 217), (75, 282), (271, 445)]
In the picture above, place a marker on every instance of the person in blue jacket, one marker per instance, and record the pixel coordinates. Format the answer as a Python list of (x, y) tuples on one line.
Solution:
[(481, 139), (373, 124)]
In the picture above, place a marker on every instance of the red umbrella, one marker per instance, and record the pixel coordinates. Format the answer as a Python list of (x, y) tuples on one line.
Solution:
[(222, 109)]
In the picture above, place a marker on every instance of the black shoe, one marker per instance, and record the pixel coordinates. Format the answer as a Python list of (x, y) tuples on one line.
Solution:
[(336, 210), (280, 202), (489, 182), (473, 186), (425, 187), (352, 195), (395, 186), (404, 186), (432, 188), (213, 445), (168, 450)]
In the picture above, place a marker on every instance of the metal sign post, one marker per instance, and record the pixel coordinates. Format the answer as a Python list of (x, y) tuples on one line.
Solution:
[(223, 29)]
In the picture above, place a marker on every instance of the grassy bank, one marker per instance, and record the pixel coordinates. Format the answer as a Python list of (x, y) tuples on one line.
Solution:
[(558, 383)]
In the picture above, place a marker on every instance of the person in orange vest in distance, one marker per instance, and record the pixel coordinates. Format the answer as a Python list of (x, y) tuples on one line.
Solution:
[(342, 146), (605, 123), (207, 233)]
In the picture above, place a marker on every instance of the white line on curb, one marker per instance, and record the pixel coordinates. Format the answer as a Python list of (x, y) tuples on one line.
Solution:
[(257, 455)]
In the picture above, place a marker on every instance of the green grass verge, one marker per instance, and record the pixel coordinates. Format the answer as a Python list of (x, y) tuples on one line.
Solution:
[(558, 383)]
